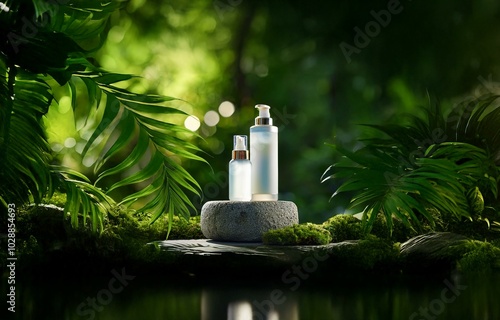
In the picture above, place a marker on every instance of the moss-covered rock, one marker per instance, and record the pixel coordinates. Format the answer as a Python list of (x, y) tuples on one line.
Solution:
[(46, 223), (299, 234), (344, 227), (57, 199), (347, 227), (439, 252), (45, 235), (479, 257), (367, 254)]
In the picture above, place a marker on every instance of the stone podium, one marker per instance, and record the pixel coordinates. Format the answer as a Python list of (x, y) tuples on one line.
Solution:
[(245, 221)]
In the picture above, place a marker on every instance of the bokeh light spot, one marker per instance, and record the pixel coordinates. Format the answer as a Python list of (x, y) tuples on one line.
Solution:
[(211, 118), (89, 161), (57, 147), (70, 142), (192, 123), (226, 109)]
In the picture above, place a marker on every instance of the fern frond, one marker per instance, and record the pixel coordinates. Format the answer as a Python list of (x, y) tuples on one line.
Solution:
[(136, 117), (87, 204), (65, 35), (413, 170)]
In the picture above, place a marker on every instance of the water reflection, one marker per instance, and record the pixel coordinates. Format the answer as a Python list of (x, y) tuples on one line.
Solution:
[(247, 304), (371, 298), (238, 310)]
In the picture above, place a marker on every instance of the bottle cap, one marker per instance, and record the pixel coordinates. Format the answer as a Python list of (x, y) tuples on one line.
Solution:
[(240, 150), (264, 117)]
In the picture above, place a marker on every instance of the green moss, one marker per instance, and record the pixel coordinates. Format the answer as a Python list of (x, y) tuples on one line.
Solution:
[(46, 223), (344, 227), (369, 254), (128, 232), (299, 234), (182, 229), (347, 227), (400, 232), (58, 199), (45, 233), (482, 257)]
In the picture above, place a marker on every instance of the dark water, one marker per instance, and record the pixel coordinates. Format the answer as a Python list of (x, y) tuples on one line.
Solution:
[(121, 297)]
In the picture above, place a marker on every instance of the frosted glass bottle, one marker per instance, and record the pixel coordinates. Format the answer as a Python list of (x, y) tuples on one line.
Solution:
[(264, 156), (240, 171)]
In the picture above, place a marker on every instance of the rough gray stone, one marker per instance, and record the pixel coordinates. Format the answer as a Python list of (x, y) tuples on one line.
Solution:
[(245, 221)]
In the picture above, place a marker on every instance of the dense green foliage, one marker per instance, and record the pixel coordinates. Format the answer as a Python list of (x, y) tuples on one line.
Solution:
[(210, 52), (299, 234), (448, 164), (46, 54), (287, 54), (44, 235), (344, 227)]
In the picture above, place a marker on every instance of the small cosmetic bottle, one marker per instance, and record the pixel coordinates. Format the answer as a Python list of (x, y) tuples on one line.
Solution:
[(240, 171)]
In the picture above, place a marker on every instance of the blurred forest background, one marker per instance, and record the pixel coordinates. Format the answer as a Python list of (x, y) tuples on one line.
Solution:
[(222, 57)]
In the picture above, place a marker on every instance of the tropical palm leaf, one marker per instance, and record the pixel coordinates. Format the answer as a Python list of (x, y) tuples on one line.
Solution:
[(415, 169), (137, 115), (476, 122), (24, 152), (58, 47), (82, 20), (84, 198), (26, 157)]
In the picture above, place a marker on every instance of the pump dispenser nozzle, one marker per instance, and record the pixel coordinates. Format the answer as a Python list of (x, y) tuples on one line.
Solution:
[(264, 117), (240, 143), (240, 150)]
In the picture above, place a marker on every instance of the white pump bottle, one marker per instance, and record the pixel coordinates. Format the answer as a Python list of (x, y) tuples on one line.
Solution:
[(264, 156)]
